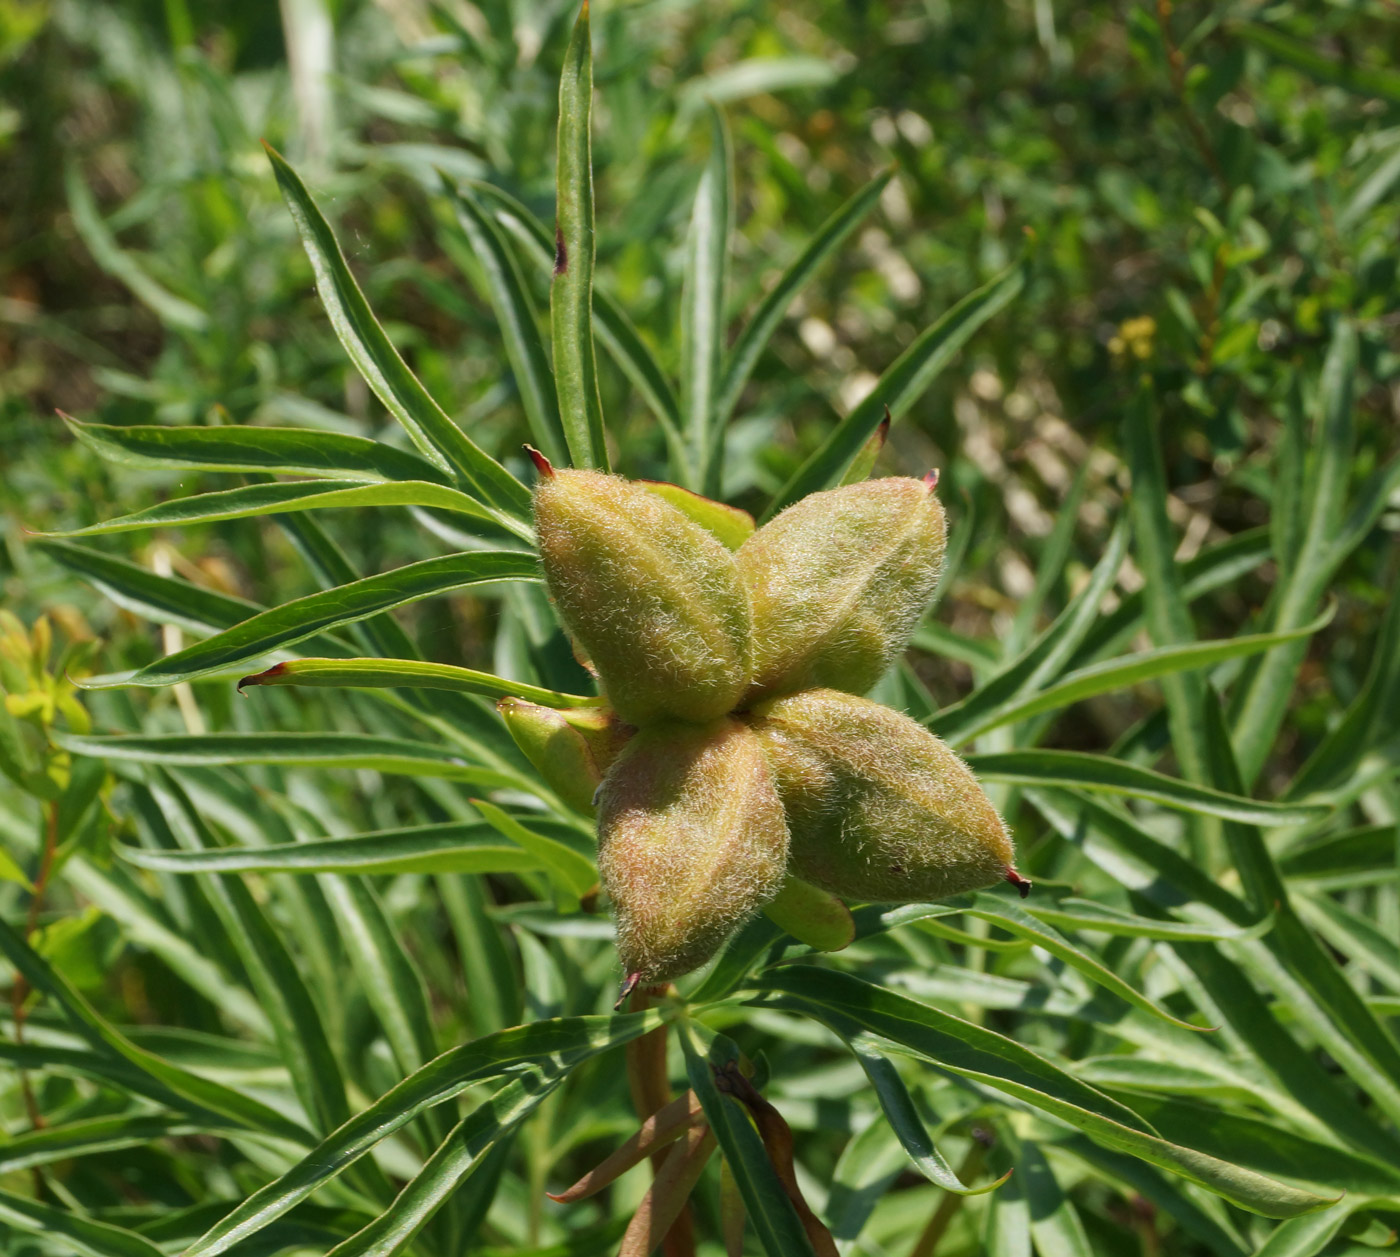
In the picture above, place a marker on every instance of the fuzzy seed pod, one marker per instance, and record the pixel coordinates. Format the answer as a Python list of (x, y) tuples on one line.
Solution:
[(691, 843), (837, 583), (654, 600), (879, 809)]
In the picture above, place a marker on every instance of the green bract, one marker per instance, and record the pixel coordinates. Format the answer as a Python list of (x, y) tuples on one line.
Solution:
[(693, 837)]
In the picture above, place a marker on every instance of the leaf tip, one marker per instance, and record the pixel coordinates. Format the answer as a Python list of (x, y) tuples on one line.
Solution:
[(262, 678)]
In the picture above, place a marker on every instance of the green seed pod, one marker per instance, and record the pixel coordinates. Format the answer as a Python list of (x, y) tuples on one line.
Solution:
[(837, 583), (879, 809), (654, 599), (570, 749), (691, 843)]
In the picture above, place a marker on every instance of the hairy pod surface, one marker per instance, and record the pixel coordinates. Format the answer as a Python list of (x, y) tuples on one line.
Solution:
[(691, 843), (878, 808), (837, 583), (654, 600)]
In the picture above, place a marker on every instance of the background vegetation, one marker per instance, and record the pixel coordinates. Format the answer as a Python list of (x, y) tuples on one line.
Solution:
[(1181, 429)]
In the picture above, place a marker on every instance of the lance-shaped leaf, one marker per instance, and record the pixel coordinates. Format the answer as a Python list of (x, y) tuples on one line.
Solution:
[(451, 847), (346, 604), (1035, 766), (538, 1054), (292, 750), (288, 451), (412, 674), (758, 331), (905, 381), (308, 495), (571, 294), (517, 318), (851, 1006), (73, 1230), (440, 440)]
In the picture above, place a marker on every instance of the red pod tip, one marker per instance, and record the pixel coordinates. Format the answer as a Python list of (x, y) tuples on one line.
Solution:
[(542, 464), (931, 479), (1021, 884), (632, 982)]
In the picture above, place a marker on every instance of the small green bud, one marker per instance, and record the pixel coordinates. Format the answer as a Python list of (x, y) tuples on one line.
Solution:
[(878, 808), (654, 599), (570, 749), (691, 843), (837, 583), (812, 916)]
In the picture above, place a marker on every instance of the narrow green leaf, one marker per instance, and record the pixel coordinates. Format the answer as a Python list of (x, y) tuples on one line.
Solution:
[(85, 1235), (282, 496), (573, 872), (287, 451), (461, 1154), (1016, 920), (852, 1007), (142, 592), (1363, 80), (538, 1054), (571, 294), (282, 991), (1117, 674), (93, 1135), (1306, 1236), (148, 1073), (315, 613), (759, 330), (906, 380), (518, 320), (770, 1212), (703, 296), (1085, 914), (451, 847), (1056, 1227), (408, 674), (439, 439), (620, 338), (900, 1112), (1043, 660), (1034, 766), (173, 311), (1259, 703), (292, 750)]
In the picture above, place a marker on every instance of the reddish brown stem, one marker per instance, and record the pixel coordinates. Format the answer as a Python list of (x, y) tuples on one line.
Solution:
[(651, 1091), (1176, 63)]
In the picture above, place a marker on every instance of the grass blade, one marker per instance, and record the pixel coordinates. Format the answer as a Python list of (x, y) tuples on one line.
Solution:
[(906, 380), (440, 440), (571, 294), (703, 295), (759, 329), (1034, 766), (518, 320), (409, 674), (346, 604)]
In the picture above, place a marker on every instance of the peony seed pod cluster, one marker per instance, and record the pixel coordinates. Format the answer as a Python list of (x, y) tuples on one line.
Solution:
[(735, 765)]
